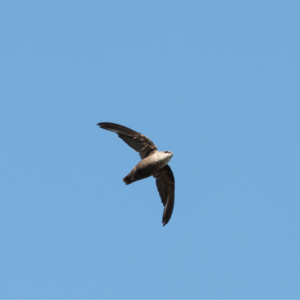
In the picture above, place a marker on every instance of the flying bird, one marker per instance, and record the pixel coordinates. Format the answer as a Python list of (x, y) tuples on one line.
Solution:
[(153, 163)]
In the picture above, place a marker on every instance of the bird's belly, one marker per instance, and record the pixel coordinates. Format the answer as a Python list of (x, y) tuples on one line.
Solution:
[(148, 166)]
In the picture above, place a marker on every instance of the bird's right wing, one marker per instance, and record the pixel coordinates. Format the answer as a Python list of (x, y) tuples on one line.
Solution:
[(165, 183), (135, 140)]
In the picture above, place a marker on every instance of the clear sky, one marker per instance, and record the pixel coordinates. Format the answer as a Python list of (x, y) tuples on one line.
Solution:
[(215, 82)]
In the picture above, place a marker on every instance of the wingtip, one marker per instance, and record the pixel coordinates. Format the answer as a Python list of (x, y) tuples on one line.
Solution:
[(165, 223), (102, 125)]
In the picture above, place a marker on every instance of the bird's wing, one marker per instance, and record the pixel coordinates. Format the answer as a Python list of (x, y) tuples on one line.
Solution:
[(135, 140), (165, 183)]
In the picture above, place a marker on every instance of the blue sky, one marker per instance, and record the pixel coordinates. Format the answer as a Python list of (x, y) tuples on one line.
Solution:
[(216, 83)]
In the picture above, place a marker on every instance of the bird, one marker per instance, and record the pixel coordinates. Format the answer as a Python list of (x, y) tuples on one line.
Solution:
[(153, 163)]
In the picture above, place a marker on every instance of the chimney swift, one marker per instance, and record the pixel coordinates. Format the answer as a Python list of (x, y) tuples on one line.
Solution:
[(154, 163)]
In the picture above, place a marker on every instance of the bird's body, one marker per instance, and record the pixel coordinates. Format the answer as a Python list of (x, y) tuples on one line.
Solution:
[(154, 163), (148, 166)]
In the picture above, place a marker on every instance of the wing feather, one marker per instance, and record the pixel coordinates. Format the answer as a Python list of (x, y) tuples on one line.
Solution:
[(165, 183), (134, 139)]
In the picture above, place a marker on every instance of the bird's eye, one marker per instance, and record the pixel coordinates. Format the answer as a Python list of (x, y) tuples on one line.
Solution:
[(166, 151)]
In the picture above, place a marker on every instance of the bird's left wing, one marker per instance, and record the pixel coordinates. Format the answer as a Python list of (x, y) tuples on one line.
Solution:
[(135, 140), (165, 183)]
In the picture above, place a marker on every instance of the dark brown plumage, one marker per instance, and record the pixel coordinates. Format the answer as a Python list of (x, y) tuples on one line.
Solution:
[(135, 140), (153, 163), (165, 183)]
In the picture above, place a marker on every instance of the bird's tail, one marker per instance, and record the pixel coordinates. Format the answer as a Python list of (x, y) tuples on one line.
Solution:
[(127, 179)]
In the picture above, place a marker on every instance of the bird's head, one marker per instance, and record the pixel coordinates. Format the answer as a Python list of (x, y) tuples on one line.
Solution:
[(168, 155)]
